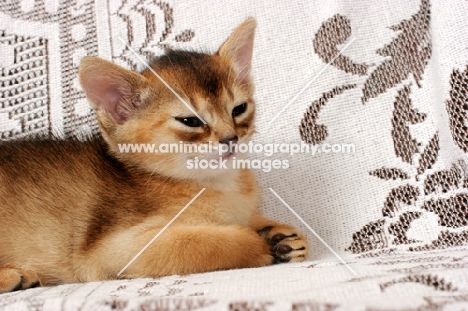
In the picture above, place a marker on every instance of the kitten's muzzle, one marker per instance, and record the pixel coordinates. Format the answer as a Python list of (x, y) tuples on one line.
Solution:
[(226, 146), (227, 140)]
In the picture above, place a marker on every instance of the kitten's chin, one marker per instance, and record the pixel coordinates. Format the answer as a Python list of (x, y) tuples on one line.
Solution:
[(200, 169), (212, 169)]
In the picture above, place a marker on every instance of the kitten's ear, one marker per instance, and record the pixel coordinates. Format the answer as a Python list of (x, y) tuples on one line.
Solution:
[(238, 48), (111, 87)]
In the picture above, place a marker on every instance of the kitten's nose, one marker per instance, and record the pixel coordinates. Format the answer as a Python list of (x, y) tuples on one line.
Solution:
[(227, 140)]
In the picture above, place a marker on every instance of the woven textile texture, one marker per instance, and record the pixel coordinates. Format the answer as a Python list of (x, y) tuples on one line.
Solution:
[(384, 180)]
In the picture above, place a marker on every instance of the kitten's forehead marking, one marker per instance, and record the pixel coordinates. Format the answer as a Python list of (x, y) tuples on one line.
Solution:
[(164, 82), (202, 78), (216, 107), (229, 93)]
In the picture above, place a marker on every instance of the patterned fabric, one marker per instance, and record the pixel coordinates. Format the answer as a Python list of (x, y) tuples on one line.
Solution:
[(386, 280), (387, 186)]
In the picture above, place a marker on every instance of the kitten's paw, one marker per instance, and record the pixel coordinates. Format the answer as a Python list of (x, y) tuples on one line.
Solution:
[(286, 243), (12, 279)]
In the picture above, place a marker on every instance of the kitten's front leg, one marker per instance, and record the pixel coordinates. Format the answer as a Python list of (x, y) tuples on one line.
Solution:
[(286, 242), (179, 250)]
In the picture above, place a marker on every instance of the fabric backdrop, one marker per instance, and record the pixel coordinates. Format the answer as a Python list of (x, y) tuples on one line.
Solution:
[(398, 94)]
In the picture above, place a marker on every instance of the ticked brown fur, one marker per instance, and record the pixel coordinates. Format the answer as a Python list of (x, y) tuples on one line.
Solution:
[(78, 211)]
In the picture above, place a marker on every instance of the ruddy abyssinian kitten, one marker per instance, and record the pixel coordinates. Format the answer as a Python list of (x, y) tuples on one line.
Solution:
[(78, 211)]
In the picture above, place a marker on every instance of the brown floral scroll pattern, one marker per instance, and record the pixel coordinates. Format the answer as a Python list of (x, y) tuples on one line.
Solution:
[(371, 236), (452, 212), (311, 131), (404, 115), (386, 173), (398, 198), (406, 55), (250, 306), (429, 155), (398, 229), (443, 181), (157, 304), (333, 32), (430, 280), (409, 53), (457, 108), (444, 240), (402, 201), (312, 305), (155, 40)]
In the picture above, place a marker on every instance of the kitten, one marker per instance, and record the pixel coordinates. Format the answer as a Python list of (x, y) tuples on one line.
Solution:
[(78, 211)]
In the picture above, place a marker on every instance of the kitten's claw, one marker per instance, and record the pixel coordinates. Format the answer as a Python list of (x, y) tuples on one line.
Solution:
[(286, 244)]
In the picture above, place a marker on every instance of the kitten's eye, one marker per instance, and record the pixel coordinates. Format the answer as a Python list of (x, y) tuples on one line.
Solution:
[(191, 121), (238, 110)]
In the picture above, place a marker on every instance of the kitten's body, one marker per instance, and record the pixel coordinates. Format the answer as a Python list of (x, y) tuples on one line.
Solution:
[(92, 199), (74, 211)]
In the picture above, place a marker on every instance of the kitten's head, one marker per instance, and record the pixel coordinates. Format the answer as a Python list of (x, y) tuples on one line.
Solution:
[(138, 108)]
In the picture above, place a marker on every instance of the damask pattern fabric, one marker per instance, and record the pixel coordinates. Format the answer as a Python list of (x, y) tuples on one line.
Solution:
[(385, 280), (385, 182)]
